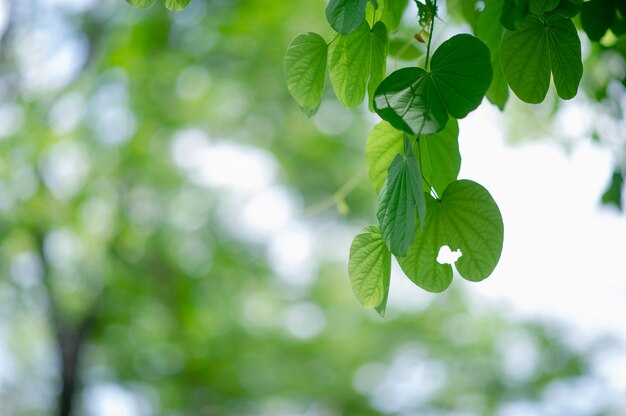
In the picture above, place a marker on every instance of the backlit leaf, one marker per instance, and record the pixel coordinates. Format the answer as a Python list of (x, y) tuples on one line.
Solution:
[(489, 30), (418, 102), (536, 49), (369, 268), (141, 4), (176, 5), (466, 218), (345, 16), (305, 69), (378, 60)]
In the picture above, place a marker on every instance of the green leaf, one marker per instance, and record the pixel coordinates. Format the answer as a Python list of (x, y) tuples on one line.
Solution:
[(403, 49), (488, 30), (369, 268), (176, 5), (345, 16), (141, 4), (383, 144), (512, 12), (466, 218), (418, 102), (613, 194), (378, 60), (409, 101), (596, 17), (420, 264), (537, 48), (438, 154), (349, 65), (401, 193), (305, 69), (538, 7), (567, 8), (392, 13)]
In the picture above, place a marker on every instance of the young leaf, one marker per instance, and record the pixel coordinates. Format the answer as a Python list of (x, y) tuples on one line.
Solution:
[(537, 48), (418, 102), (466, 218), (345, 16), (380, 48), (176, 5), (369, 268), (438, 154), (396, 207), (489, 30), (141, 4), (349, 65), (305, 69)]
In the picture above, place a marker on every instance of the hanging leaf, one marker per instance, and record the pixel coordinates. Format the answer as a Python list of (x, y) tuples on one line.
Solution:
[(512, 12), (418, 102), (489, 30), (466, 218), (537, 48), (420, 264), (349, 65), (401, 195), (392, 13), (438, 154), (378, 60), (369, 269), (596, 17), (176, 5), (345, 16), (141, 4), (305, 70)]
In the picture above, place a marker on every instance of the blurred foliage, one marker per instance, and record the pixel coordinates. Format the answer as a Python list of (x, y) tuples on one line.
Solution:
[(153, 172)]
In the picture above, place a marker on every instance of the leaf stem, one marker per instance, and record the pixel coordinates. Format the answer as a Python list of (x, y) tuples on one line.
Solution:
[(430, 35)]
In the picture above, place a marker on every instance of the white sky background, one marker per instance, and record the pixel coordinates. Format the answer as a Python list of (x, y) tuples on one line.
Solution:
[(563, 252)]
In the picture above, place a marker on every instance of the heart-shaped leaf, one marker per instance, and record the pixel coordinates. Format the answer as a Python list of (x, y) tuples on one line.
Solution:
[(305, 69), (537, 48), (356, 58), (345, 15), (369, 268), (466, 218), (418, 102), (438, 154)]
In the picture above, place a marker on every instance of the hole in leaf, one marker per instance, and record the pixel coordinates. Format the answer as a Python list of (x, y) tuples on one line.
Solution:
[(447, 256)]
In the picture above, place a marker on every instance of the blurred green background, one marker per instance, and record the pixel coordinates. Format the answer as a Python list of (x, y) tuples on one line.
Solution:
[(171, 241)]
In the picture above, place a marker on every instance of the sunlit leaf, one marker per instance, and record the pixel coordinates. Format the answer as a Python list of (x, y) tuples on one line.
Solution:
[(466, 218), (345, 16), (537, 48), (176, 5), (141, 4), (418, 102), (305, 69), (369, 268)]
